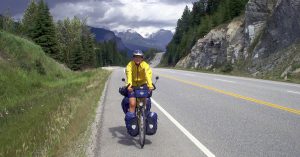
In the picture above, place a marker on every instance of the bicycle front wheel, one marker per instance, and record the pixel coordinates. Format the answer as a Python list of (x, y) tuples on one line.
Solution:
[(142, 127)]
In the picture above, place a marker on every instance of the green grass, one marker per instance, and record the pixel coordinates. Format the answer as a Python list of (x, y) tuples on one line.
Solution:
[(44, 107)]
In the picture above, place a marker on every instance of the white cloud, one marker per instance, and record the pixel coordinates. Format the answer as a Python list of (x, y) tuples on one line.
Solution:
[(143, 16)]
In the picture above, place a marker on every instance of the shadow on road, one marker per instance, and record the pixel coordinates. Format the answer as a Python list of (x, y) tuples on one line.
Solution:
[(120, 132)]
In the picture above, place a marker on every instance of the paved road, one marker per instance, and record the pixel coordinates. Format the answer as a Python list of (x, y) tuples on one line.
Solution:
[(156, 60), (208, 115)]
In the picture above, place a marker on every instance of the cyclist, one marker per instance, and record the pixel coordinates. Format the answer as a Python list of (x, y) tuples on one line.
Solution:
[(138, 73)]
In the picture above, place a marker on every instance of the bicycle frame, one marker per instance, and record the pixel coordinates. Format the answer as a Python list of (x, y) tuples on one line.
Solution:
[(140, 111)]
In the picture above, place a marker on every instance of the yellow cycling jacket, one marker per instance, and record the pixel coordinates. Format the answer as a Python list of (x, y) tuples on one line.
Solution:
[(139, 75)]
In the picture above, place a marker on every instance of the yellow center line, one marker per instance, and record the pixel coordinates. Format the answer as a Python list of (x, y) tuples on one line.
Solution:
[(261, 102)]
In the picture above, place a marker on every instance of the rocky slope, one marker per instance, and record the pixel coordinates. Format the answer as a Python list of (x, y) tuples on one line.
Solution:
[(264, 41)]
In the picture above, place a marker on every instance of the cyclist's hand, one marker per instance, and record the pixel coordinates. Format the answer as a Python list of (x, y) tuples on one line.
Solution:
[(130, 88)]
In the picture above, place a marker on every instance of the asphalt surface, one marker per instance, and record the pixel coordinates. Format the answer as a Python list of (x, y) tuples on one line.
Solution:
[(211, 115), (156, 60)]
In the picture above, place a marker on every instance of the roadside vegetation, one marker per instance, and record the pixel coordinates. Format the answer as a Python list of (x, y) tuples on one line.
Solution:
[(44, 106), (49, 84)]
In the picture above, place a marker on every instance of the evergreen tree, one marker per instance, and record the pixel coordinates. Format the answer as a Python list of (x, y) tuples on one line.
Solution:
[(185, 21), (183, 25), (197, 11), (235, 7), (99, 55), (212, 6), (44, 33), (29, 19), (88, 46), (7, 23), (76, 56), (107, 54), (1, 21), (205, 27)]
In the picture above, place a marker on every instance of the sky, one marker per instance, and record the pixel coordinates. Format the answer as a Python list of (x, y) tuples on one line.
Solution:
[(143, 16)]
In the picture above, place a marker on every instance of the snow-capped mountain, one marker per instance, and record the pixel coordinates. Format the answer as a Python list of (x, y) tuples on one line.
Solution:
[(130, 35), (134, 40)]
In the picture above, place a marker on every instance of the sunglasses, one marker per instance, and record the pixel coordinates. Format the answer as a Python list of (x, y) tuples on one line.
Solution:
[(137, 57)]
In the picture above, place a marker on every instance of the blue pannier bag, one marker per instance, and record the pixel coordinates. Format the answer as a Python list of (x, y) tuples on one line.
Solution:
[(123, 91), (125, 104), (148, 106), (151, 123), (131, 122)]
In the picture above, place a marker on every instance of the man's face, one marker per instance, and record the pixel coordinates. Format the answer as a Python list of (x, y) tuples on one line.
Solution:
[(137, 59)]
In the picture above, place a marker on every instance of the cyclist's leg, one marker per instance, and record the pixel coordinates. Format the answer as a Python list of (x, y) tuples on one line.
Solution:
[(132, 104), (130, 117)]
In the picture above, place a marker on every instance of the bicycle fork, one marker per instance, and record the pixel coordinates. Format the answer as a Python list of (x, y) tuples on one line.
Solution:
[(141, 120)]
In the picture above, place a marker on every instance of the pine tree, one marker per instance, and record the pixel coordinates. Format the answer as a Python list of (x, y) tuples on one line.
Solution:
[(235, 7), (76, 56), (88, 46), (44, 33), (7, 22), (212, 6), (99, 55), (197, 11), (185, 20), (29, 19), (205, 26), (183, 25)]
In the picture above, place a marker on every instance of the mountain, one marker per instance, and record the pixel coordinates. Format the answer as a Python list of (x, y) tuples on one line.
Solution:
[(162, 37), (102, 35), (264, 42), (131, 40), (134, 40)]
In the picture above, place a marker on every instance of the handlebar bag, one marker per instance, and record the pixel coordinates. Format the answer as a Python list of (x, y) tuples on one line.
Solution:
[(141, 93)]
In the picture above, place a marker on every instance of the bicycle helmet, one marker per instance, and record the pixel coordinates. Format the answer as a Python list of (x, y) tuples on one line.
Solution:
[(138, 53)]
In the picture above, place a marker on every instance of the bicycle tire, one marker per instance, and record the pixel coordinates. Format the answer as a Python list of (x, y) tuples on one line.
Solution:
[(142, 127)]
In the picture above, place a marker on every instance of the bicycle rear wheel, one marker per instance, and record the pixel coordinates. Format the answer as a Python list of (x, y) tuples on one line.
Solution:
[(142, 127)]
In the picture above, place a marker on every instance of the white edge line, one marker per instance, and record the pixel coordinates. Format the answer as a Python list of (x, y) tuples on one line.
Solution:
[(206, 151), (187, 74), (224, 80), (293, 92)]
